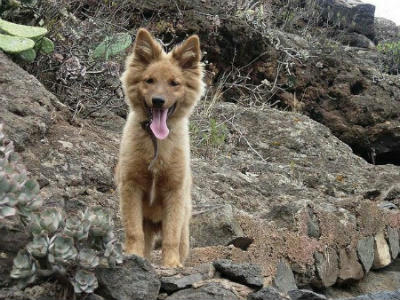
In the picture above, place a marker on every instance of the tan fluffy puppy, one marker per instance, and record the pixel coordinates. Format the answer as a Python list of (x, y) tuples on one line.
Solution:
[(155, 192)]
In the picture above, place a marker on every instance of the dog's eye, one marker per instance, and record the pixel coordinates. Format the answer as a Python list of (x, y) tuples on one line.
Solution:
[(149, 80), (173, 83)]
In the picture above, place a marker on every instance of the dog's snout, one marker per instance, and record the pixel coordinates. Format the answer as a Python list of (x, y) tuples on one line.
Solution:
[(158, 102)]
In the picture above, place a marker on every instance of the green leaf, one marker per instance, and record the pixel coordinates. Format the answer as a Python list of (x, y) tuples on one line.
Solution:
[(7, 211), (28, 55), (14, 44), (31, 187), (112, 45), (31, 32), (46, 46)]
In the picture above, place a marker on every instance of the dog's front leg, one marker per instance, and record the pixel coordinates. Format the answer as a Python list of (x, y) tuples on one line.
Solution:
[(173, 219), (132, 218)]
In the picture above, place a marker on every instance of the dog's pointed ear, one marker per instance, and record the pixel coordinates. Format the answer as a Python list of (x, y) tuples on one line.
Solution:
[(188, 54), (146, 48)]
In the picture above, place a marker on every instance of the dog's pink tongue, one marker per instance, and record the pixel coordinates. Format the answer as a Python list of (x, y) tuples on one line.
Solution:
[(159, 123)]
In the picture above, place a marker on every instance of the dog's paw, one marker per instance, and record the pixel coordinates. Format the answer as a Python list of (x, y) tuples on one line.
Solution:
[(172, 263), (132, 249)]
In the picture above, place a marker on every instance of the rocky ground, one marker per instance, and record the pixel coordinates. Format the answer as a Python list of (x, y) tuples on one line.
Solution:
[(303, 195)]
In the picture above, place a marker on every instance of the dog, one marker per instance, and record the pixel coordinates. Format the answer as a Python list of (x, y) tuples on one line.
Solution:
[(153, 174)]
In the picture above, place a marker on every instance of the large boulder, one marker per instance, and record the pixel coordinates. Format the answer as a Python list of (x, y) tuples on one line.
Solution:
[(352, 15), (295, 188), (386, 30)]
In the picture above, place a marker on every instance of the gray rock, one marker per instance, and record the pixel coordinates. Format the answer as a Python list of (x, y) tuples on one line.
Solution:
[(395, 295), (382, 253), (313, 229), (386, 30), (244, 273), (354, 39), (393, 237), (305, 295), (327, 266), (365, 251), (175, 283), (353, 15), (211, 291), (267, 293), (284, 279), (349, 267), (214, 226), (135, 279)]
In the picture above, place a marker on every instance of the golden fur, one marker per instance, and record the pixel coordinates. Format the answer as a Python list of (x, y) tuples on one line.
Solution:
[(158, 197)]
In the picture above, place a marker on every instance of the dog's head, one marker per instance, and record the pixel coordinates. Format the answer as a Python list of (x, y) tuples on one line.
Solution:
[(163, 86)]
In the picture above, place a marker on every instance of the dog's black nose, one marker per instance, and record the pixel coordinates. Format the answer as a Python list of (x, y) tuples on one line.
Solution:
[(158, 102)]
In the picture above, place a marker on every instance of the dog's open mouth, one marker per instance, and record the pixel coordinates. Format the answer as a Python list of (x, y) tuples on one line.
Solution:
[(159, 121)]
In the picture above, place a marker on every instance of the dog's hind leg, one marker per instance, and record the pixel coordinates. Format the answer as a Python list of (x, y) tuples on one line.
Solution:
[(150, 232), (132, 218)]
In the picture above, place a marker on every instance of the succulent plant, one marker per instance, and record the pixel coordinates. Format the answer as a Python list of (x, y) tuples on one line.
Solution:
[(15, 44), (39, 246), (23, 40), (88, 258), (84, 282), (62, 249), (30, 32), (45, 45), (112, 45), (101, 221), (51, 219), (18, 194), (69, 243), (113, 253), (24, 266), (77, 227)]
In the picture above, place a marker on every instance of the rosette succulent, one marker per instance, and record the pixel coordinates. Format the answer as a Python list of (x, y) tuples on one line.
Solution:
[(24, 266), (62, 249), (100, 220), (18, 194), (48, 222), (113, 253), (39, 246), (84, 282), (88, 258), (77, 227)]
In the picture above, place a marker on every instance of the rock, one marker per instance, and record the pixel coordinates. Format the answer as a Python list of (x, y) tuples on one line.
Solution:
[(354, 39), (135, 279), (215, 226), (393, 237), (267, 293), (244, 273), (211, 291), (365, 250), (305, 295), (386, 30), (395, 295), (175, 283), (327, 266), (284, 279), (26, 107), (349, 267), (382, 254), (353, 15)]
